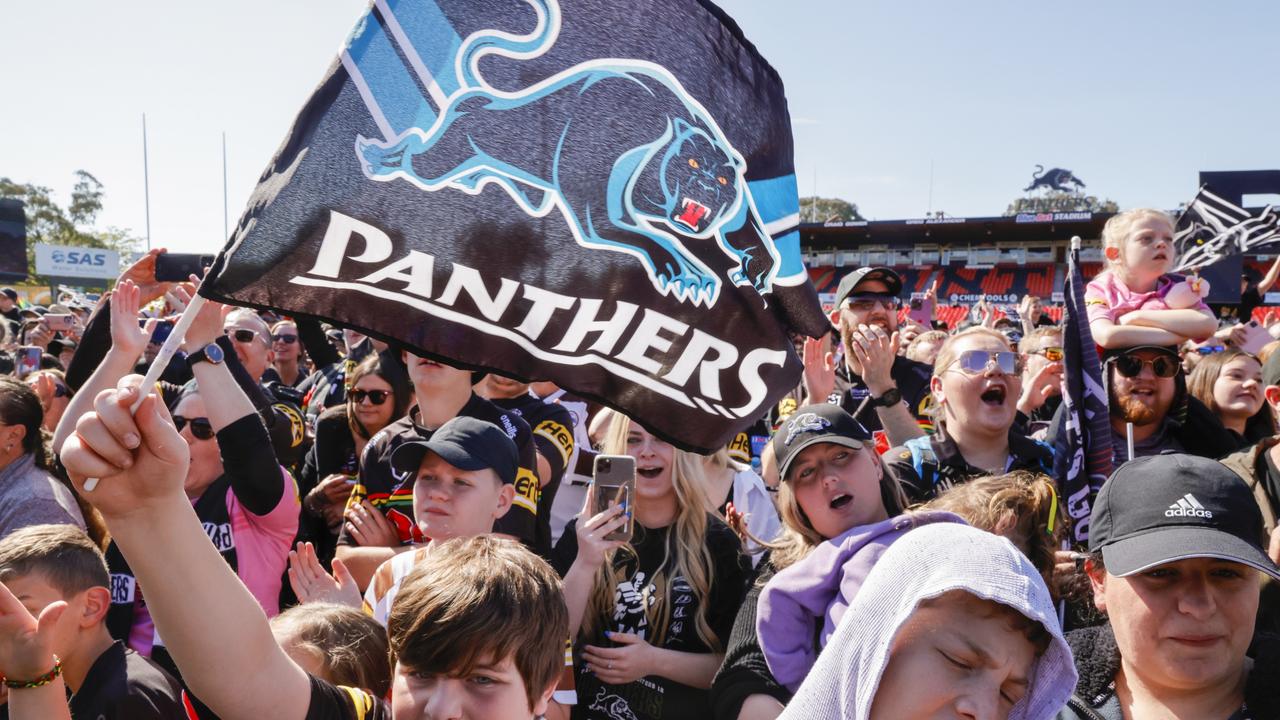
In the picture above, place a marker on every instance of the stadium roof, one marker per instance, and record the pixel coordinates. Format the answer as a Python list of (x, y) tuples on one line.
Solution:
[(1025, 228)]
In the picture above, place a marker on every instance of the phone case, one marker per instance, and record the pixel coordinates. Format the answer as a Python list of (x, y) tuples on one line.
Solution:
[(615, 482)]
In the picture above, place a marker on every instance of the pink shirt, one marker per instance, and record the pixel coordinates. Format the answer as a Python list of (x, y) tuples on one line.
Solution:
[(1107, 298), (262, 553)]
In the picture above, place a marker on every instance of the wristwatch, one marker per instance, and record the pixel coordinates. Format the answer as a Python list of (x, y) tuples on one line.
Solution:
[(210, 353), (891, 397)]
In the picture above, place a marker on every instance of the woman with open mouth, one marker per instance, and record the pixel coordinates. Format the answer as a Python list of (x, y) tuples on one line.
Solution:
[(650, 617), (1230, 384), (832, 481), (977, 379)]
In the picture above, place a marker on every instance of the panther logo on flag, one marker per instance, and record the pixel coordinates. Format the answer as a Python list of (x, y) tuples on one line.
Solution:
[(667, 176)]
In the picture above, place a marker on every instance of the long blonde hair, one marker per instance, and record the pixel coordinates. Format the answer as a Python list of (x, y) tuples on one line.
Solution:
[(687, 541)]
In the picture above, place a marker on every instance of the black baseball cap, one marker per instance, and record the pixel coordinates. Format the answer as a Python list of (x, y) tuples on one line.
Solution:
[(890, 278), (10, 293), (813, 424), (465, 443), (1164, 508)]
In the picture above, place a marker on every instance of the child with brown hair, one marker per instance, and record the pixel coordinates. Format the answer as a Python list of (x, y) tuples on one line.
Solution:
[(477, 630), (57, 574)]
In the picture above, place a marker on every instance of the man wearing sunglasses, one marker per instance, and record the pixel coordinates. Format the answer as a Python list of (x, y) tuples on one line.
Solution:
[(280, 405), (1041, 376), (1146, 387), (895, 390)]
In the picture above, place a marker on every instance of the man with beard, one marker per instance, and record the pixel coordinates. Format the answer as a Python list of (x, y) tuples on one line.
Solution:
[(880, 388), (1146, 387)]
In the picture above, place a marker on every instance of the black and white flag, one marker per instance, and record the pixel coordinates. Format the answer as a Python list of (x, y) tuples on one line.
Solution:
[(598, 193), (1211, 228)]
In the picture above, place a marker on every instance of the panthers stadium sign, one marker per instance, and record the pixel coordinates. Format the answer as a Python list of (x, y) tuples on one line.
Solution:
[(551, 190)]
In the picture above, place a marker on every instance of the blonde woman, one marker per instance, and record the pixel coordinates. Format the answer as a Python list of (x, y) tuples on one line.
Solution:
[(832, 481), (977, 380), (651, 617)]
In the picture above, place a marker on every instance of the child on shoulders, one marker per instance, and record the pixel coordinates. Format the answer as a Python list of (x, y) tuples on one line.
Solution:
[(1137, 300)]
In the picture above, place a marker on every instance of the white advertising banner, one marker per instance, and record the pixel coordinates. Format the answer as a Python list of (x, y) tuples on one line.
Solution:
[(76, 262)]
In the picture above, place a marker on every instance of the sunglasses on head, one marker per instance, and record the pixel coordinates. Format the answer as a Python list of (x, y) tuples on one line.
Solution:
[(1131, 365), (286, 338), (376, 397), (864, 302), (975, 362), (1210, 349), (200, 426)]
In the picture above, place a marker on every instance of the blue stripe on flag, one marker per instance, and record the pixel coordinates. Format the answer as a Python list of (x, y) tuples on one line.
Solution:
[(433, 38), (391, 84), (777, 198), (789, 250)]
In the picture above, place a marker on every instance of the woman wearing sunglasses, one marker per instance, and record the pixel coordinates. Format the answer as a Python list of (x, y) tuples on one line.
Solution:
[(1230, 384), (380, 394), (288, 366), (977, 380), (237, 487)]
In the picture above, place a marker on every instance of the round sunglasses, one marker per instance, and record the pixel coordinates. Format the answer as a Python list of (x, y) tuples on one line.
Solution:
[(376, 397), (200, 426), (976, 362), (1131, 366)]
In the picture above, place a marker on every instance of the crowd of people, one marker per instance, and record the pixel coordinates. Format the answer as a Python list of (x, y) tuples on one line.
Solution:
[(299, 521)]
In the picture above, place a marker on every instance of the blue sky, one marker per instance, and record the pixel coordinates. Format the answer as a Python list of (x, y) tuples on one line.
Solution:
[(1135, 97)]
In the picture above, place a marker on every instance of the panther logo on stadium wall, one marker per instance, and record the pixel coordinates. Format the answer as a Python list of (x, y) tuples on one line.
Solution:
[(1054, 179)]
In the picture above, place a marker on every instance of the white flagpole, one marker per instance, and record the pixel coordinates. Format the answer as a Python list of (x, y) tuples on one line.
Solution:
[(1129, 432), (225, 227), (146, 182), (158, 365)]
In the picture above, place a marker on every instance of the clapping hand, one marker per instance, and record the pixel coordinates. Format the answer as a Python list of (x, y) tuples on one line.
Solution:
[(312, 584)]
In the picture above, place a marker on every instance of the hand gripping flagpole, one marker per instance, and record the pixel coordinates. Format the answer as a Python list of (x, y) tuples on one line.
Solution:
[(163, 357)]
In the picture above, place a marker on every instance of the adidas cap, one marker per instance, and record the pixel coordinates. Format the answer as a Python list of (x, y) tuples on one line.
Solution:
[(1163, 508)]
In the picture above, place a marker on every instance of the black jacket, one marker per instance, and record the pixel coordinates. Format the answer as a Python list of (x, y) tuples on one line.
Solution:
[(1097, 661), (744, 671)]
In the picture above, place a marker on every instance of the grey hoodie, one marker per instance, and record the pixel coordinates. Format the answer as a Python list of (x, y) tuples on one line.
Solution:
[(923, 564)]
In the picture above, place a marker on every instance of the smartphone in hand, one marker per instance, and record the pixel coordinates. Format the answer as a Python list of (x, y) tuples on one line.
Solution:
[(28, 360), (59, 323), (179, 267), (614, 477)]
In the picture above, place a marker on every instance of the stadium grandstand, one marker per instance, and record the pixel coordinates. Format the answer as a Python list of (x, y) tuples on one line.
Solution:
[(1001, 258)]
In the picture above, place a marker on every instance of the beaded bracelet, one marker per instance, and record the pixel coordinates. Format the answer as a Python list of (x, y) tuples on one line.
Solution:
[(41, 681)]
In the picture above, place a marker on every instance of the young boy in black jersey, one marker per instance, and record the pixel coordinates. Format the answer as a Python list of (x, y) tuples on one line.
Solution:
[(477, 631), (552, 427), (59, 567)]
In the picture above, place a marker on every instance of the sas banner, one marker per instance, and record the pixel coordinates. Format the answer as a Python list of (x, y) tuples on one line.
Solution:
[(587, 191)]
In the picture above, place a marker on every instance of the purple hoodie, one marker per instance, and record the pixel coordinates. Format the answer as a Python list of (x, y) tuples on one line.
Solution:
[(821, 586)]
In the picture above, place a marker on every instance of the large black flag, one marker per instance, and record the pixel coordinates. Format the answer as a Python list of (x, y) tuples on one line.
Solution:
[(593, 192), (1082, 449)]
